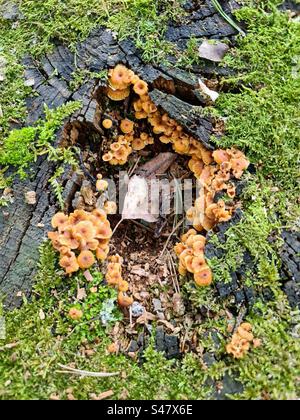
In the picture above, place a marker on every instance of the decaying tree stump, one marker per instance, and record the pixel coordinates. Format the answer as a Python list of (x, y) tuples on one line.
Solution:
[(23, 227)]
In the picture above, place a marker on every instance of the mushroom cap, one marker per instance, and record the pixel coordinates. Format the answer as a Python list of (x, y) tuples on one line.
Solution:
[(86, 259), (104, 231), (75, 314), (141, 88), (122, 153), (59, 221), (246, 335), (124, 300), (100, 215), (101, 254), (188, 263), (110, 207), (204, 277), (85, 230), (114, 278), (119, 77), (138, 144), (198, 248), (101, 185), (107, 123), (115, 146), (179, 248), (141, 115), (69, 263), (191, 232), (69, 239), (116, 259), (127, 126), (92, 245), (117, 95), (220, 156), (198, 264), (123, 286), (77, 217), (107, 157)]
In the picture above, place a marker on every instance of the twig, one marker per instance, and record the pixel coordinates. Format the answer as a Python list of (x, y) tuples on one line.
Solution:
[(85, 373), (130, 317), (131, 172), (173, 267), (116, 228), (170, 237)]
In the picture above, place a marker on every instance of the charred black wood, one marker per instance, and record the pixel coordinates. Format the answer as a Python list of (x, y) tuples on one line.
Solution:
[(290, 272)]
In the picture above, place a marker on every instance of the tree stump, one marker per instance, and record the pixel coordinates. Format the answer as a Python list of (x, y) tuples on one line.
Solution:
[(23, 227)]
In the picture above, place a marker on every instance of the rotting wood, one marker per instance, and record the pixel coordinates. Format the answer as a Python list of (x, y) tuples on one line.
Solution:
[(24, 227)]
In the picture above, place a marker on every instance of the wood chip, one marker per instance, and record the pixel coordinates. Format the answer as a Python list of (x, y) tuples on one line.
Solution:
[(102, 396)]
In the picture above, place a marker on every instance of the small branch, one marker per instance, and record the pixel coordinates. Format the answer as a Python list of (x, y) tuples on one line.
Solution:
[(85, 373), (170, 237)]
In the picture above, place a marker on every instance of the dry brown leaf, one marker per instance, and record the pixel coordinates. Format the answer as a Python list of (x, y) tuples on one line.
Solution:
[(81, 294), (42, 315), (88, 276), (213, 50), (147, 316)]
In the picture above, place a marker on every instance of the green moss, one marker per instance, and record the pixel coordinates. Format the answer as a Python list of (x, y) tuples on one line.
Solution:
[(23, 146), (263, 116), (272, 370), (45, 337)]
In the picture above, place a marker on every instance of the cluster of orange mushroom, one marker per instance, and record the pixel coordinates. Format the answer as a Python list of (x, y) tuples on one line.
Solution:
[(241, 341), (81, 238), (114, 278), (120, 81), (214, 177), (190, 252)]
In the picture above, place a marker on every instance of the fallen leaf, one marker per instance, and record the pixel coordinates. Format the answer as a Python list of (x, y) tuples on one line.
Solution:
[(81, 294), (147, 316), (136, 204), (102, 396), (208, 92), (42, 315), (88, 276), (213, 51)]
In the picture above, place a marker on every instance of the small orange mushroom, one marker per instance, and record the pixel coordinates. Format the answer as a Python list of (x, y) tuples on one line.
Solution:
[(85, 230), (86, 259), (204, 277), (101, 254), (110, 207), (69, 263), (124, 300), (127, 126), (107, 123), (123, 286), (118, 95), (141, 88), (107, 157), (101, 185), (75, 314), (59, 221)]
